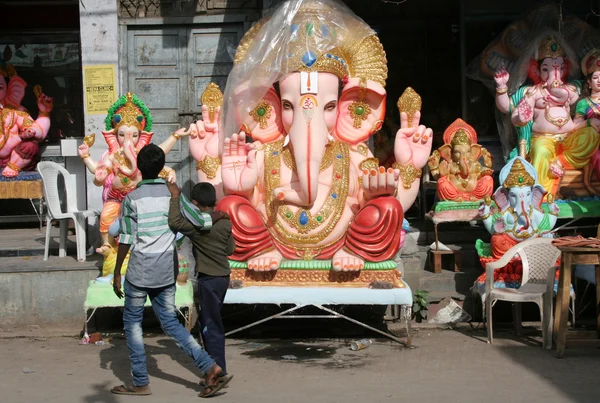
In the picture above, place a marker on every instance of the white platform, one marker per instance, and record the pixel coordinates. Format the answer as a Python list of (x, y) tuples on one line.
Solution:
[(319, 297)]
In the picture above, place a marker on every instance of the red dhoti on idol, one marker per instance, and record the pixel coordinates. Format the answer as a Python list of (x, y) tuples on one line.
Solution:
[(375, 234), (447, 191)]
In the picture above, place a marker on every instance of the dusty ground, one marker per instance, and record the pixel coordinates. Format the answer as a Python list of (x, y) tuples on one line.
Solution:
[(444, 366)]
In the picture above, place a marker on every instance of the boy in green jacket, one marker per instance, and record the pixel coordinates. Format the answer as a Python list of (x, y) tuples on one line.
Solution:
[(211, 248)]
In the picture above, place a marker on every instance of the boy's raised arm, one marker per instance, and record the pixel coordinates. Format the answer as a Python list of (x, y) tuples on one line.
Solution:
[(177, 222)]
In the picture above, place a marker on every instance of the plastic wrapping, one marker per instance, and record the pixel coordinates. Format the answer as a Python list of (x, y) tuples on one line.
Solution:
[(517, 45), (271, 49)]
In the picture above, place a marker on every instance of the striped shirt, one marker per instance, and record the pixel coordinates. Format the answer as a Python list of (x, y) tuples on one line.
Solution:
[(144, 225)]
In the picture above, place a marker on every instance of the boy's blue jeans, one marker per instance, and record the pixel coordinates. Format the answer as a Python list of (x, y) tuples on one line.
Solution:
[(163, 304)]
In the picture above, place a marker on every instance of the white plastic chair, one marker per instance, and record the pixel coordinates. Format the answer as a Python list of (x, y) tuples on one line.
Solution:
[(539, 258), (50, 172)]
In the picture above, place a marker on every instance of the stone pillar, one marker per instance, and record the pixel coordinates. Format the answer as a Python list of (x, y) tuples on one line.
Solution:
[(99, 45)]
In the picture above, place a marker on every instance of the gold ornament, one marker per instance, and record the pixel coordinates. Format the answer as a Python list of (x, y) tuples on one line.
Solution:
[(37, 90), (90, 139), (518, 176), (590, 62), (262, 113), (130, 115), (550, 198), (461, 137), (283, 277), (290, 162), (13, 167), (362, 149), (359, 111), (369, 164), (209, 165), (408, 173), (303, 221), (549, 48), (487, 200), (212, 97), (8, 71), (163, 174), (410, 103)]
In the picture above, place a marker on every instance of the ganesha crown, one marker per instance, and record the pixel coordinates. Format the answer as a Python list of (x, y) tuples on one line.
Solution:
[(518, 176), (461, 137), (550, 48)]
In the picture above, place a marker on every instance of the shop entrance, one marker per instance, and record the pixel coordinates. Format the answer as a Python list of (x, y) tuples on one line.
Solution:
[(169, 69)]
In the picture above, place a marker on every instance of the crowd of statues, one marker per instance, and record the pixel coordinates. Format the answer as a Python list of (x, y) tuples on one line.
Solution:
[(286, 145)]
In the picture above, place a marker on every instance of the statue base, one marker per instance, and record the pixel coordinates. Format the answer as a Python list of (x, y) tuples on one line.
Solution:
[(571, 185), (318, 273)]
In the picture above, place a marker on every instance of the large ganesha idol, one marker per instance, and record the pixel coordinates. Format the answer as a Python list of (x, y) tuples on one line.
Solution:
[(308, 202), (128, 130), (19, 132), (456, 167), (559, 147)]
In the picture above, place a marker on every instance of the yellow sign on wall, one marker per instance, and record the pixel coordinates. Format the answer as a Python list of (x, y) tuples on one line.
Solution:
[(100, 88)]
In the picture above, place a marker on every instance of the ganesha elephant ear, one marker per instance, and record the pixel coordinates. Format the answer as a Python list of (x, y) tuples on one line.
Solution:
[(15, 92), (446, 152), (501, 198), (537, 195), (111, 140), (361, 110), (475, 152), (263, 122), (145, 139)]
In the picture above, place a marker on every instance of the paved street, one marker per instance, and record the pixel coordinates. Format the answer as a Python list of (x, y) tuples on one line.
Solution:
[(444, 366)]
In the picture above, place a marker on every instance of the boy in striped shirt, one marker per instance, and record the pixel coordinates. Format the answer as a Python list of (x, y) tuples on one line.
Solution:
[(151, 272)]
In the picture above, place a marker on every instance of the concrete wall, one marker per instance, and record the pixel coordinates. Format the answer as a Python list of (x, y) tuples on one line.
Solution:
[(99, 45), (51, 298)]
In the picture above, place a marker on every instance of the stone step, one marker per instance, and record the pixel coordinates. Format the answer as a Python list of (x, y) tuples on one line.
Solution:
[(30, 242)]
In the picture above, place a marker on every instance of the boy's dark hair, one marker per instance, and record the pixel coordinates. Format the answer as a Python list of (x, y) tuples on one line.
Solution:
[(151, 160), (205, 195)]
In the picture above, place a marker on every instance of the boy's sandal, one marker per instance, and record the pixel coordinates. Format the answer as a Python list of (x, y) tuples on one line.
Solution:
[(126, 390), (210, 390)]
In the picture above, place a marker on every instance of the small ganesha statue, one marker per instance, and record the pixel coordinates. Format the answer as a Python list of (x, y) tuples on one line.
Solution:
[(520, 215), (456, 167), (19, 132)]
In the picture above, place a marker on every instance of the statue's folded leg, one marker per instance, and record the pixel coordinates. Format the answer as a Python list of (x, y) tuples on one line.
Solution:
[(375, 234), (249, 231), (485, 187), (23, 158), (446, 190), (110, 212), (500, 244)]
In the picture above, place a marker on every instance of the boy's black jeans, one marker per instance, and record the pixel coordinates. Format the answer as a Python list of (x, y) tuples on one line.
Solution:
[(211, 293)]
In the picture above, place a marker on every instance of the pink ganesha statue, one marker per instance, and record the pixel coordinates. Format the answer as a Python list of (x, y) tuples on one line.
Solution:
[(128, 130), (308, 88), (19, 132)]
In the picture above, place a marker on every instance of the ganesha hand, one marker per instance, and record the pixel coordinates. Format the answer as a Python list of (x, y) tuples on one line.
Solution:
[(45, 104), (27, 133), (413, 142), (501, 78), (101, 172), (84, 151), (204, 136), (524, 112), (239, 168), (484, 210), (380, 182)]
